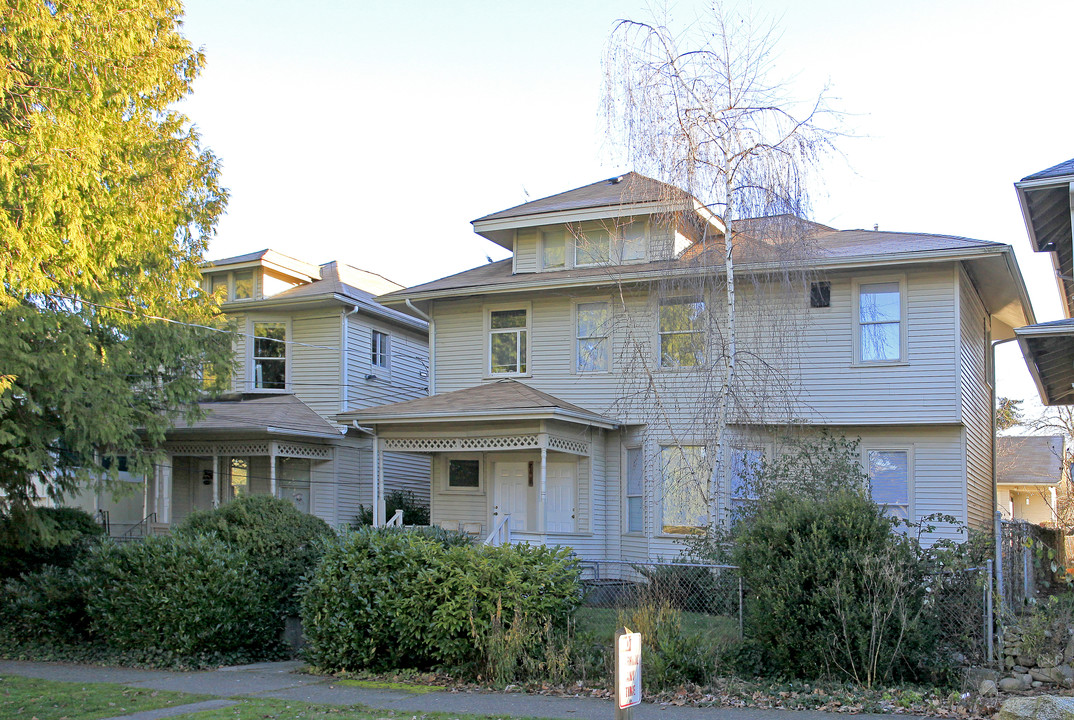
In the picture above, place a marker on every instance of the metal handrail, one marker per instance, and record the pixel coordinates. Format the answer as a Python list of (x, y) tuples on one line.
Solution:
[(501, 534), (143, 525)]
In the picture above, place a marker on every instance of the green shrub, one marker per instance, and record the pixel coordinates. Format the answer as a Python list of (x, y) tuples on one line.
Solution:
[(64, 536), (832, 589), (47, 605), (385, 598), (279, 540), (672, 657), (182, 594), (414, 511)]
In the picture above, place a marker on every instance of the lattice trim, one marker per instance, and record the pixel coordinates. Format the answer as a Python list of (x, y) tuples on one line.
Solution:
[(449, 444), (303, 451), (219, 449), (577, 447)]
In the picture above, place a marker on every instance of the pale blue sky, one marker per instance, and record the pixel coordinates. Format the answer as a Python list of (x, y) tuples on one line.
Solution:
[(373, 132)]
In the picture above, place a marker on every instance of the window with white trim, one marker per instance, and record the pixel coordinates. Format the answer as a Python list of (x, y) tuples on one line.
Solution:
[(231, 286), (269, 356), (244, 285), (381, 350), (553, 249), (684, 478), (508, 350), (592, 246), (463, 474), (880, 322), (889, 474), (613, 243), (635, 482), (682, 332), (745, 462), (592, 329)]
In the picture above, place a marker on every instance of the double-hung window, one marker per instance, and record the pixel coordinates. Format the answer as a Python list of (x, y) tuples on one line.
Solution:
[(593, 330), (682, 332), (553, 249), (745, 462), (635, 517), (270, 356), (600, 244), (685, 475), (381, 349), (889, 472), (880, 322), (593, 246), (508, 351)]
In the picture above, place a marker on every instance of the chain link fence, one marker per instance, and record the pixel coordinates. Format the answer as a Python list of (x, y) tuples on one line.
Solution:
[(959, 613)]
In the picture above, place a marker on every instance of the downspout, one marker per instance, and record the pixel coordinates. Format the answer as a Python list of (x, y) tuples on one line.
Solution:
[(432, 343), (378, 506), (345, 361), (992, 384)]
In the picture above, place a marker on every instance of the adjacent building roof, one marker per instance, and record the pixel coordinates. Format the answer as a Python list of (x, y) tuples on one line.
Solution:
[(1062, 169), (1045, 199), (502, 399), (272, 414), (1049, 352), (1029, 460)]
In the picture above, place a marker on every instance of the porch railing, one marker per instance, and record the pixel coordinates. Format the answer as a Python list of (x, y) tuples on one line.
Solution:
[(395, 520), (501, 534), (139, 531)]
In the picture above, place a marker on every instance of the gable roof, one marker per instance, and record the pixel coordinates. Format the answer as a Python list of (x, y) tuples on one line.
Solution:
[(277, 414), (502, 399), (1029, 459), (629, 189), (1064, 168)]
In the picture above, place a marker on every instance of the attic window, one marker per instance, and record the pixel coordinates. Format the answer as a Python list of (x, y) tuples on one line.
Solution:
[(820, 294)]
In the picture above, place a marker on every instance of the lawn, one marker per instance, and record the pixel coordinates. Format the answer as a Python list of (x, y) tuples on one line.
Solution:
[(271, 709), (603, 622), (49, 700)]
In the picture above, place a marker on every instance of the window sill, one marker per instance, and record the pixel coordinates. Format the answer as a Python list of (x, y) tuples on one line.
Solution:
[(508, 376), (270, 391), (880, 364), (463, 491)]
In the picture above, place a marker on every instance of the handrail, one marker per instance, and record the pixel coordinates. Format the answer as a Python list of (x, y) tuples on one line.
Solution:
[(102, 519), (501, 534), (395, 520), (143, 524)]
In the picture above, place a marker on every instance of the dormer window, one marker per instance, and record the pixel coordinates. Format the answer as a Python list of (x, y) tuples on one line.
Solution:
[(553, 249), (244, 285), (592, 246), (600, 244), (232, 286)]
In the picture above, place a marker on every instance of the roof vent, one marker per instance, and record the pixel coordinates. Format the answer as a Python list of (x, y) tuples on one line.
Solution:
[(616, 180), (876, 226)]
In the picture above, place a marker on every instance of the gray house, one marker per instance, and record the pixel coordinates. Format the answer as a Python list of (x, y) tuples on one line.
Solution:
[(571, 383)]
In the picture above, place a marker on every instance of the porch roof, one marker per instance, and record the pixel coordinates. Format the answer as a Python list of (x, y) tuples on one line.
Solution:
[(500, 400), (278, 414)]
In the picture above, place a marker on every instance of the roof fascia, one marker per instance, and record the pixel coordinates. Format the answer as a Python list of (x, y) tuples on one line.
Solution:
[(927, 256), (318, 300), (1034, 244), (263, 262), (1031, 365), (367, 418), (253, 429)]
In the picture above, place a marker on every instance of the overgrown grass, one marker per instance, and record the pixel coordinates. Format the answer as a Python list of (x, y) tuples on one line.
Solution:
[(271, 709), (50, 700), (601, 624)]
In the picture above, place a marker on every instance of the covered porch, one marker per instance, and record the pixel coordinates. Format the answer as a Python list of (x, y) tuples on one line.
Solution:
[(508, 463)]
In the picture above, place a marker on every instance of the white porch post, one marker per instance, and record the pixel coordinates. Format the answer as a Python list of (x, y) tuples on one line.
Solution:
[(216, 480), (378, 482), (542, 494), (164, 488), (272, 468)]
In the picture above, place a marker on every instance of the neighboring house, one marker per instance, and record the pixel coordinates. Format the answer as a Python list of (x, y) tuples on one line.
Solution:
[(1029, 477), (311, 342), (572, 380)]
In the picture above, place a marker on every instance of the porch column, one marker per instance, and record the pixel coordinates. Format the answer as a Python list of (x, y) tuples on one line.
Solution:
[(164, 491), (216, 480), (542, 491), (378, 482), (272, 468)]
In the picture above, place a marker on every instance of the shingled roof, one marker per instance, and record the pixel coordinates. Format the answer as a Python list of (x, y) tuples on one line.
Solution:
[(1064, 168), (492, 400), (627, 189), (273, 414)]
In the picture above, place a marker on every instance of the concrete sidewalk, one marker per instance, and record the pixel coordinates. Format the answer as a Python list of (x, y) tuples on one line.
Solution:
[(279, 680)]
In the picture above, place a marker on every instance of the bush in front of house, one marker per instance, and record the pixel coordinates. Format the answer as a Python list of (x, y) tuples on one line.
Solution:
[(385, 598), (47, 605), (414, 511), (63, 536), (183, 595), (281, 542)]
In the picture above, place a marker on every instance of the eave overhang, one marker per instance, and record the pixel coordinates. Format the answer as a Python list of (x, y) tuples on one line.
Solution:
[(522, 414), (1047, 207), (1048, 350)]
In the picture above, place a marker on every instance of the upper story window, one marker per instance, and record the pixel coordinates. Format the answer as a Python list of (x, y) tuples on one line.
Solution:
[(616, 243), (592, 246), (553, 249), (889, 471), (593, 329), (880, 322), (381, 350), (270, 356), (684, 477), (508, 349), (682, 332), (232, 286)]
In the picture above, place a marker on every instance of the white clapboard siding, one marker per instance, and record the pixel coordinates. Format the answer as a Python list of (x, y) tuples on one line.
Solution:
[(314, 359), (525, 254), (448, 508), (354, 489), (408, 472), (407, 375), (976, 403), (324, 489)]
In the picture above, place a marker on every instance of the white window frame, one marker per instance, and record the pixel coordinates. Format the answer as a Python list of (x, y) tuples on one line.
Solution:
[(230, 284), (908, 450), (567, 247), (627, 495), (734, 500), (856, 318), (384, 367), (660, 333), (446, 486), (489, 309), (251, 324), (706, 489), (616, 242), (607, 337)]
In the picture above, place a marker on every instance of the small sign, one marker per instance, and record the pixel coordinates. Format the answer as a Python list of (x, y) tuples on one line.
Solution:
[(628, 677)]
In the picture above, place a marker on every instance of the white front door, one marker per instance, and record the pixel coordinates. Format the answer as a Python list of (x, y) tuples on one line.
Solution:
[(511, 480), (201, 483), (559, 501)]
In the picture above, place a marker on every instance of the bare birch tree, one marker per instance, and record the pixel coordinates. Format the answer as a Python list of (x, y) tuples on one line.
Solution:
[(701, 111)]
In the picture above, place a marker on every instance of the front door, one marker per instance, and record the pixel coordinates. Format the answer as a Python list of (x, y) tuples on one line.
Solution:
[(201, 483), (509, 497), (559, 501)]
